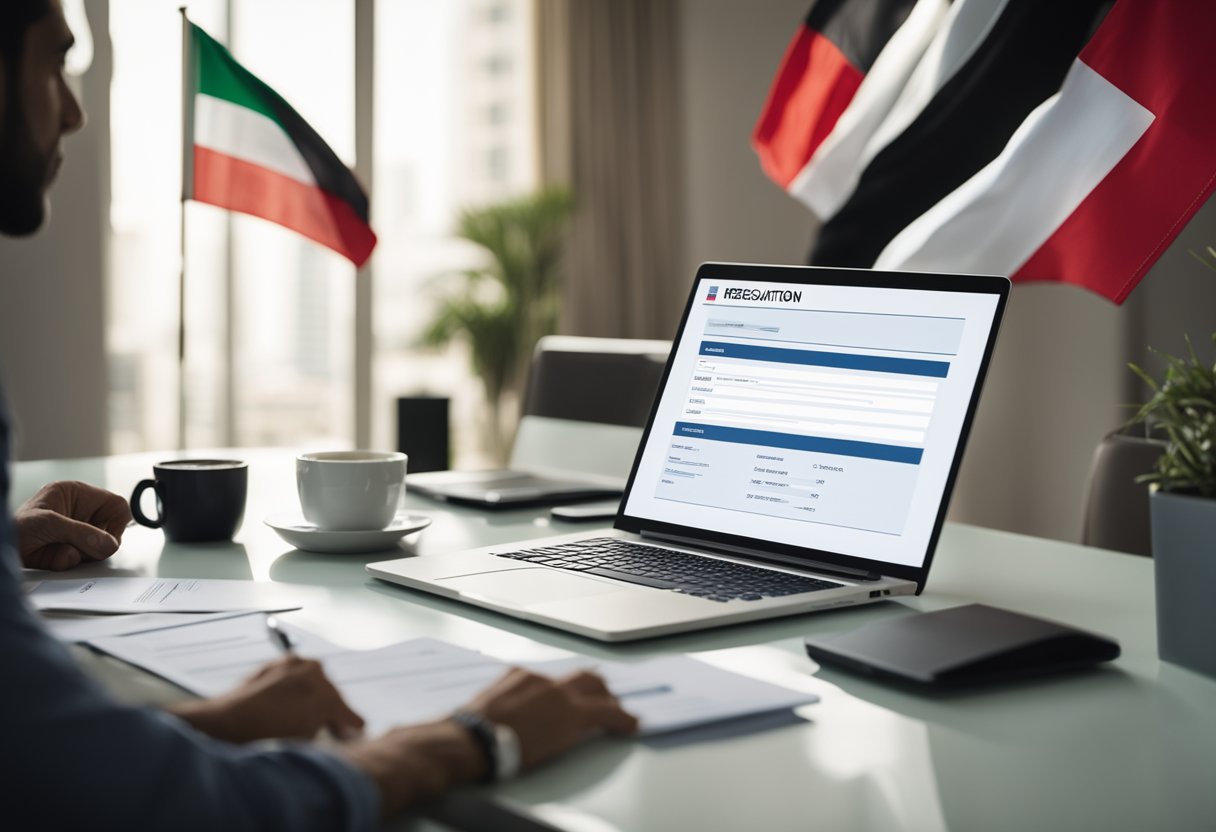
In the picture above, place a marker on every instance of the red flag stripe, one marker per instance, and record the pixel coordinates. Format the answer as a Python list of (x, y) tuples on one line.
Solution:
[(1120, 229), (813, 87), (242, 186)]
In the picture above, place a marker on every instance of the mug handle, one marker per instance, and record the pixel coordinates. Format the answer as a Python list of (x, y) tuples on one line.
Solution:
[(137, 512)]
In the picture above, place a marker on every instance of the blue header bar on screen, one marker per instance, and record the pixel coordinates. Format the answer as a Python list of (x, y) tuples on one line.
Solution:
[(842, 360), (794, 442)]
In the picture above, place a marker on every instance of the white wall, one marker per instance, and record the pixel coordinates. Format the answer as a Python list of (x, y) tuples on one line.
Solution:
[(1060, 382), (1059, 379), (52, 299), (1052, 392)]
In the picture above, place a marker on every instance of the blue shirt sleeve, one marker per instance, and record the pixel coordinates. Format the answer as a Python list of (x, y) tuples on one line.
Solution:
[(73, 758)]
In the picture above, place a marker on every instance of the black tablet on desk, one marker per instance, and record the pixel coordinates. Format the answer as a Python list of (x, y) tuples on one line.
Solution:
[(961, 646)]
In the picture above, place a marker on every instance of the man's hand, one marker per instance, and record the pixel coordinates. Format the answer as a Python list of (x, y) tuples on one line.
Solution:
[(549, 716), (67, 523), (288, 698)]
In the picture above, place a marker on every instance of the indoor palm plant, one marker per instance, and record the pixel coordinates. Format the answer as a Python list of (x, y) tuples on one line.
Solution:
[(503, 307), (1183, 507)]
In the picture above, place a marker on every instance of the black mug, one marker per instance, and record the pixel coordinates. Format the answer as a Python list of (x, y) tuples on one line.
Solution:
[(197, 500)]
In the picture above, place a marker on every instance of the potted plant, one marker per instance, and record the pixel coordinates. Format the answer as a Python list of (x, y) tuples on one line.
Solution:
[(502, 308), (1183, 508)]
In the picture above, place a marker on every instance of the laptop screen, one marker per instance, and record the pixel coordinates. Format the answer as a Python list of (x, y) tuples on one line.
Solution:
[(817, 409)]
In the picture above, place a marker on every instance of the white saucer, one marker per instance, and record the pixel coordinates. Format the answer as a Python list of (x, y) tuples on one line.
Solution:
[(304, 535)]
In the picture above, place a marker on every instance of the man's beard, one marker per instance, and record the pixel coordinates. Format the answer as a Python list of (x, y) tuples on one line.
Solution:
[(23, 175)]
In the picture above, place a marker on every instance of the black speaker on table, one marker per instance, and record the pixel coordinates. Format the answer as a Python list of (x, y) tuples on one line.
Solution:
[(422, 432)]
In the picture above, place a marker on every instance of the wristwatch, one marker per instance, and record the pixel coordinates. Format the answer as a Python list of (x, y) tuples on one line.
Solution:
[(499, 744)]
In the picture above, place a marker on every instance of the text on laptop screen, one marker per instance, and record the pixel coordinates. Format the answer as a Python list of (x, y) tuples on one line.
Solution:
[(824, 417)]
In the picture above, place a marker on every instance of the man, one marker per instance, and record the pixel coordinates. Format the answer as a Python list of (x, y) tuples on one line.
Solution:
[(70, 757)]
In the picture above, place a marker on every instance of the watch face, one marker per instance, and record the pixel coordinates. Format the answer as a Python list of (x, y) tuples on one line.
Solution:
[(507, 753)]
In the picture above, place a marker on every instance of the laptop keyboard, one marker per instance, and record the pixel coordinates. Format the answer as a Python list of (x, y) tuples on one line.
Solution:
[(636, 563)]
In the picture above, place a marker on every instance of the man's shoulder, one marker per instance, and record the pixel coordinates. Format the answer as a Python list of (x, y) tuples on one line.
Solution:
[(4, 460), (6, 521)]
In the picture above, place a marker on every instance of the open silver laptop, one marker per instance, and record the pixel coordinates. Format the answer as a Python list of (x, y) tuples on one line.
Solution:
[(584, 410), (799, 456)]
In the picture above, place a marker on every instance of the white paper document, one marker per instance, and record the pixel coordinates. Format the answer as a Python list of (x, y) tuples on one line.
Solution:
[(213, 657), (673, 692), (130, 595), (424, 678), (74, 627)]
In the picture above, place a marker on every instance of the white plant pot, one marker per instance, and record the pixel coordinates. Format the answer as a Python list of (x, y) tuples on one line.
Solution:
[(1184, 562)]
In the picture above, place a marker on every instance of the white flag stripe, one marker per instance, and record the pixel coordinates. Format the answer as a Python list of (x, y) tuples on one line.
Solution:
[(965, 28), (831, 175), (996, 220), (249, 136)]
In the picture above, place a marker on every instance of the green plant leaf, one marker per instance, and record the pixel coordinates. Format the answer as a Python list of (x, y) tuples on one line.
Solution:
[(504, 307), (1183, 407)]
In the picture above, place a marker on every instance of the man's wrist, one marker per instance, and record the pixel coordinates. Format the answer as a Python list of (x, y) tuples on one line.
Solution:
[(498, 744)]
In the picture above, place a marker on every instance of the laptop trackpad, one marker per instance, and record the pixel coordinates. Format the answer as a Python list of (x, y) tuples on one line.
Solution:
[(525, 587)]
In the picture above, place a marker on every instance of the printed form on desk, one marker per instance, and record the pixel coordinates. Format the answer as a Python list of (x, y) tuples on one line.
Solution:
[(135, 595), (83, 626), (424, 678)]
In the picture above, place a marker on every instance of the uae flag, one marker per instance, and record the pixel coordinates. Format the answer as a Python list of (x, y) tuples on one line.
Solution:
[(247, 150), (1041, 140)]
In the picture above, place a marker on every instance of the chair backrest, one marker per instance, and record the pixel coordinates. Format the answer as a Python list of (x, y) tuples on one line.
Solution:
[(586, 404), (1116, 508)]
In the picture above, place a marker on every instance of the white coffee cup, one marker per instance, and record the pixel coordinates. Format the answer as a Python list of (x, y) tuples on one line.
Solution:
[(350, 490)]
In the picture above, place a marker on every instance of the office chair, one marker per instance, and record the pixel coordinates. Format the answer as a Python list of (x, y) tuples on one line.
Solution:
[(610, 380), (586, 402), (1116, 508)]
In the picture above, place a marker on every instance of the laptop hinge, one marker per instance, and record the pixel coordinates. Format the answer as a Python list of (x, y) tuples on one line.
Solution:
[(784, 560)]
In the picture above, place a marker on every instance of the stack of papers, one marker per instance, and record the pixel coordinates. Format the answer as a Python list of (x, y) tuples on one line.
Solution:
[(424, 678), (70, 626), (133, 595), (78, 610)]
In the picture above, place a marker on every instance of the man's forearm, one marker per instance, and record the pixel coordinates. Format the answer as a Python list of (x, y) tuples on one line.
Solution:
[(408, 765), (418, 763), (203, 716)]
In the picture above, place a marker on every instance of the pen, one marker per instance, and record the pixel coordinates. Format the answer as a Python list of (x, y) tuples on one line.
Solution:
[(279, 636), (655, 690)]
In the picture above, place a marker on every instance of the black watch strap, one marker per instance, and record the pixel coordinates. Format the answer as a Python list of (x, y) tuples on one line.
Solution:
[(483, 734)]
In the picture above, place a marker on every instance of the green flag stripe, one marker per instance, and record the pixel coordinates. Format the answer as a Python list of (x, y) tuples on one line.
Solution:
[(218, 74)]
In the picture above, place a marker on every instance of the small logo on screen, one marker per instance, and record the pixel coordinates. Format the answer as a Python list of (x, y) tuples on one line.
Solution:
[(713, 293)]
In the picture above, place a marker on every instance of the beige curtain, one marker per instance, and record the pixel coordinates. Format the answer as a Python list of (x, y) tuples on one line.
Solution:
[(610, 129)]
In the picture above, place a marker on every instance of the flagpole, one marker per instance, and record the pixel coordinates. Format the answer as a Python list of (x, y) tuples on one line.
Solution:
[(187, 179), (228, 424), (181, 338)]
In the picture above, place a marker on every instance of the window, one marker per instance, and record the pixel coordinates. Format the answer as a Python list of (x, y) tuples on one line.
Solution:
[(497, 64), (498, 12), (496, 113), (268, 351), (144, 214), (270, 315), (433, 126), (498, 164)]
